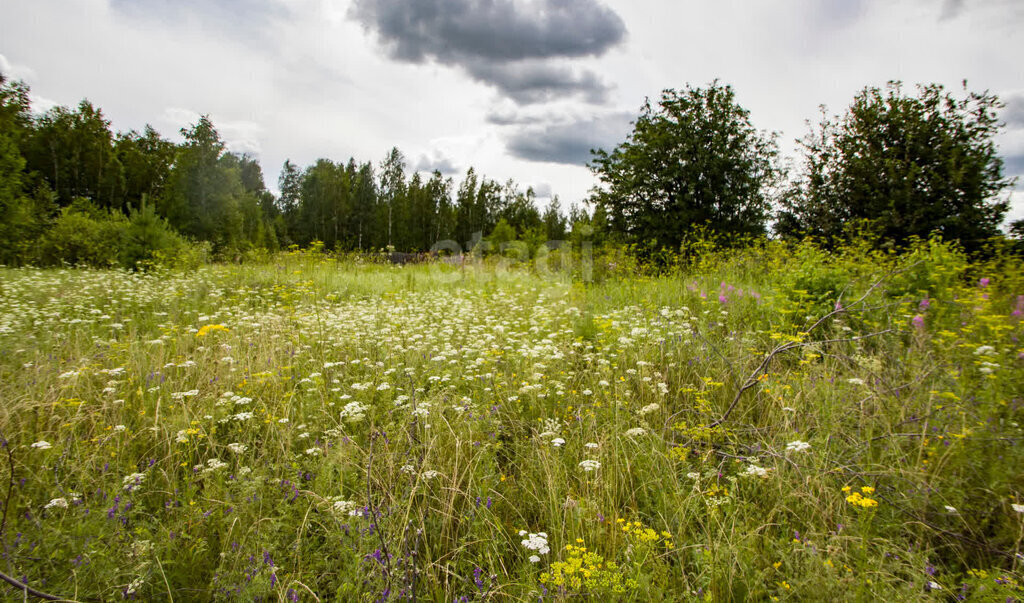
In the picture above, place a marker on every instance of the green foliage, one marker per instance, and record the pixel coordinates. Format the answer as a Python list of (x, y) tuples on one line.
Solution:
[(74, 151), (82, 235), (147, 237), (502, 235), (203, 192), (907, 166), (694, 160), (249, 431)]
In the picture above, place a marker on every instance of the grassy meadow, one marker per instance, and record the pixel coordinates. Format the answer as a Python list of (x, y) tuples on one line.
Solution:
[(778, 423)]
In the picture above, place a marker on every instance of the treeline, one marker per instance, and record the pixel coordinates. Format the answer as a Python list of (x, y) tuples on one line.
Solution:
[(353, 207), (72, 191), (892, 169)]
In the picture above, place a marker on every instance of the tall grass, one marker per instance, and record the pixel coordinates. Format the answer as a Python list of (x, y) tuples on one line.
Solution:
[(312, 429)]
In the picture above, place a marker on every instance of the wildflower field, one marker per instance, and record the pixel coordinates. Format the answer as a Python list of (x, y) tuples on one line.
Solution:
[(777, 423)]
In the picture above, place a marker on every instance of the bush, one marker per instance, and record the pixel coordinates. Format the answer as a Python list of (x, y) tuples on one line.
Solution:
[(146, 237), (82, 235)]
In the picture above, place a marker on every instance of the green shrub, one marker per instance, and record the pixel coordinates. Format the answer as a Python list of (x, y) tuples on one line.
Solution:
[(82, 235)]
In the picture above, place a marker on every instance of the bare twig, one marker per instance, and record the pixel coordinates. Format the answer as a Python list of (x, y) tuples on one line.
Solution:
[(752, 379), (839, 308), (29, 590)]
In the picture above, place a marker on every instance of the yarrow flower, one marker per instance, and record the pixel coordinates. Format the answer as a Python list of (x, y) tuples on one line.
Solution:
[(797, 446), (353, 412), (237, 448), (133, 480), (536, 542), (346, 506), (636, 431), (755, 471), (42, 445), (1017, 508), (57, 502), (590, 465), (652, 407)]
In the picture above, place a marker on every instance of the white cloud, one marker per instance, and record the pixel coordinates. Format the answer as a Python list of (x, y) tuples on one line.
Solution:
[(300, 79), (16, 72)]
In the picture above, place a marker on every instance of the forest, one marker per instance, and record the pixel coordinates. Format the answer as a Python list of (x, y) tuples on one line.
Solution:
[(894, 167)]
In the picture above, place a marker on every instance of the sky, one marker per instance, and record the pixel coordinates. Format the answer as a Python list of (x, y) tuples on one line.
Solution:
[(519, 89)]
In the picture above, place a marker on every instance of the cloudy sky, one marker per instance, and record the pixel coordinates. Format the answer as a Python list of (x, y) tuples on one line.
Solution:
[(518, 89)]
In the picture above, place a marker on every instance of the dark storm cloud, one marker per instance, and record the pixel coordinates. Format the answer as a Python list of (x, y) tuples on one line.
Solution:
[(512, 118), (1013, 167), (501, 42), (498, 30), (532, 82), (1013, 113), (569, 142)]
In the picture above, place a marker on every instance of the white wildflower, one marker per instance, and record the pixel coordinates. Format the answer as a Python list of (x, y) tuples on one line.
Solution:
[(797, 446), (214, 464), (135, 479), (536, 542), (653, 407), (57, 502), (636, 431), (345, 506), (237, 448), (557, 442), (42, 445), (590, 465), (353, 412), (755, 471)]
